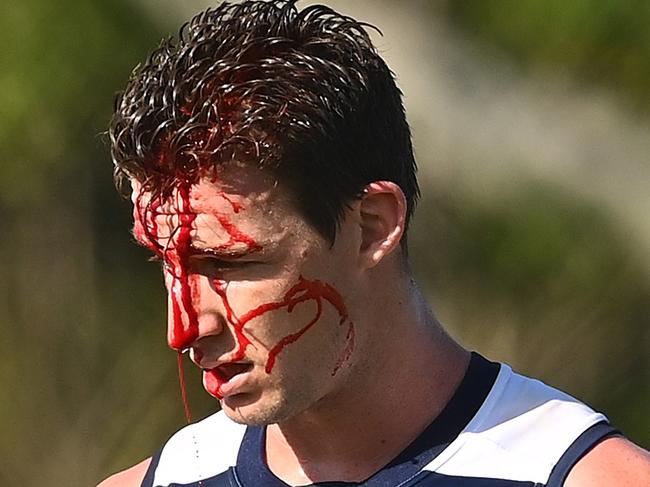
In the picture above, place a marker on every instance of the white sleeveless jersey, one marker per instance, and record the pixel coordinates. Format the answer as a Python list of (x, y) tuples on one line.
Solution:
[(500, 429)]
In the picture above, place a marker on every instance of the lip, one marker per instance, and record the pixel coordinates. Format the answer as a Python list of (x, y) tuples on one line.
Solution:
[(221, 386)]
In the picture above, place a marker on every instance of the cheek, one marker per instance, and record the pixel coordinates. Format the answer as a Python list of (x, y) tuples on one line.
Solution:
[(282, 322), (268, 327)]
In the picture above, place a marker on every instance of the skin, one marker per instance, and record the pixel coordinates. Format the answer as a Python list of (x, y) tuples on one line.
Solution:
[(615, 461), (288, 251), (127, 478), (347, 414)]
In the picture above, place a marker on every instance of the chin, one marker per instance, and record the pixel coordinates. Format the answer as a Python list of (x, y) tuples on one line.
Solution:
[(256, 410)]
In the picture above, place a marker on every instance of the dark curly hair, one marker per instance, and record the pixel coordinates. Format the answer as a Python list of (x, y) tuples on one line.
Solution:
[(304, 93)]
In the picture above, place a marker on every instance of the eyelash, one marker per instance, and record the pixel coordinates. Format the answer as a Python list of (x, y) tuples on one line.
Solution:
[(225, 264), (218, 263), (159, 261)]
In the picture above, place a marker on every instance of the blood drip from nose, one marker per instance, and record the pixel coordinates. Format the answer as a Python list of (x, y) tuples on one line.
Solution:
[(181, 383)]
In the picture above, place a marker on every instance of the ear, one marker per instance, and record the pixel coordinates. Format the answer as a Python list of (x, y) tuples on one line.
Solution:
[(382, 212)]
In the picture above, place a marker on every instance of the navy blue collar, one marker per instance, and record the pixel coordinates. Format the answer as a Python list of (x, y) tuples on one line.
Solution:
[(252, 470)]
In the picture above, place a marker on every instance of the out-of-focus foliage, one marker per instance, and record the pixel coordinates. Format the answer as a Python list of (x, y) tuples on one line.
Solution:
[(63, 231), (535, 277), (61, 62), (572, 275), (544, 279), (602, 41)]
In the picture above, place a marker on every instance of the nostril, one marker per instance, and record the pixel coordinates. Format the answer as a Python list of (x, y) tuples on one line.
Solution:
[(204, 358), (196, 355)]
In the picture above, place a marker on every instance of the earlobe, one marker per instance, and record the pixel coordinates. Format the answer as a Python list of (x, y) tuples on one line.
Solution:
[(382, 212)]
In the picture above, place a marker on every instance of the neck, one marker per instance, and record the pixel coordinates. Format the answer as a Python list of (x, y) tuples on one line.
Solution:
[(389, 399)]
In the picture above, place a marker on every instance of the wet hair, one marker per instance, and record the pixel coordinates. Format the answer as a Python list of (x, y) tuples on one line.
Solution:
[(303, 93)]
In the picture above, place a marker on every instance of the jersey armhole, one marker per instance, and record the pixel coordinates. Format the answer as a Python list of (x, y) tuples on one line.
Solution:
[(147, 481), (578, 449)]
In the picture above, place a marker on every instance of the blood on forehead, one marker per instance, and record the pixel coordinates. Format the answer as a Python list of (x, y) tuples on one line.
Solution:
[(169, 224), (172, 242)]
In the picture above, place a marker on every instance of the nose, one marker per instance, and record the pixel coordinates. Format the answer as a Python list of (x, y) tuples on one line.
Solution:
[(194, 311)]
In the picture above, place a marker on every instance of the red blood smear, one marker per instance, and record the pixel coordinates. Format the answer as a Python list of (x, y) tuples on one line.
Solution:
[(304, 290), (347, 351), (182, 332), (183, 290), (236, 207), (236, 235)]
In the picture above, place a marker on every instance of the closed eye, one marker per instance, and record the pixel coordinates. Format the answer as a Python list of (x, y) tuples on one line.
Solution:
[(213, 266), (216, 263)]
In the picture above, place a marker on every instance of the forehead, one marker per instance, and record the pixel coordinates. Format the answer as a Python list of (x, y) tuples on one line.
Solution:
[(232, 209)]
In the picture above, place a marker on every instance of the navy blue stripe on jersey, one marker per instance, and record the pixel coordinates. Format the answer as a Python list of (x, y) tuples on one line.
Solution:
[(147, 481), (578, 449), (432, 479), (251, 461), (466, 401), (424, 479), (225, 479)]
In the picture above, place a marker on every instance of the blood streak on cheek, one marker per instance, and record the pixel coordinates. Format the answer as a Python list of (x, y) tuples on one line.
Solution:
[(304, 291), (347, 350)]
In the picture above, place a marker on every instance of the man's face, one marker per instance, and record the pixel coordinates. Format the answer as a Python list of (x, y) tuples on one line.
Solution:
[(259, 298)]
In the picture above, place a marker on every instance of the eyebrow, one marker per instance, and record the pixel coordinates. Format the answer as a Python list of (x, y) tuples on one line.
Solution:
[(263, 248)]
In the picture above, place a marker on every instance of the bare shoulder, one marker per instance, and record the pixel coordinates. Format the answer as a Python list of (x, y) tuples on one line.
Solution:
[(131, 477), (615, 461)]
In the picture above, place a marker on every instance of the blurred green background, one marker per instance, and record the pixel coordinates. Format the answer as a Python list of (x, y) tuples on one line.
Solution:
[(530, 122)]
